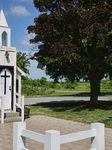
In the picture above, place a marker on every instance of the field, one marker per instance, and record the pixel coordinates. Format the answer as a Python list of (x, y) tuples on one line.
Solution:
[(68, 110), (38, 88)]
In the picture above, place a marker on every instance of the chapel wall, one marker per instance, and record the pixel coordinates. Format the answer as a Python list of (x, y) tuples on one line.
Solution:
[(11, 60)]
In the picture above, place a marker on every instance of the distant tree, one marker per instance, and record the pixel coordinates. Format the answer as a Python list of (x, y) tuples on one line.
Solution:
[(43, 80), (23, 62), (75, 40)]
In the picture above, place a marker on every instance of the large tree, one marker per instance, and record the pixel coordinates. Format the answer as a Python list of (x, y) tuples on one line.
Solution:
[(75, 39)]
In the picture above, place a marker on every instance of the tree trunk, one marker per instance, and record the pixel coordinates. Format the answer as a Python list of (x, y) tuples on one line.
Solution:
[(94, 89), (99, 87)]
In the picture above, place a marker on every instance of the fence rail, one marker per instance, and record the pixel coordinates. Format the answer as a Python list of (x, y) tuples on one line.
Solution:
[(77, 136), (21, 106), (34, 136), (2, 109), (52, 138)]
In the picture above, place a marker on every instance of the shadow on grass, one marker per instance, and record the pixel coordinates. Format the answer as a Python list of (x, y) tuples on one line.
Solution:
[(73, 106), (105, 94), (82, 94)]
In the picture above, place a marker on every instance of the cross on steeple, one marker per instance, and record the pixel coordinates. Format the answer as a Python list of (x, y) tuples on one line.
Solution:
[(1, 6)]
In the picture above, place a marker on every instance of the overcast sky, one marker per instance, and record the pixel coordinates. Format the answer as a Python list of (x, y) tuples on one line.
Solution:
[(19, 15)]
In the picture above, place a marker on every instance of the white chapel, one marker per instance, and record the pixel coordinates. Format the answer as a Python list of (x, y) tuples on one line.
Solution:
[(10, 74)]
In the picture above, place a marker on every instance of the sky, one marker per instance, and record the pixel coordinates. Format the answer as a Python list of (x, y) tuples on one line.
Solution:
[(19, 15)]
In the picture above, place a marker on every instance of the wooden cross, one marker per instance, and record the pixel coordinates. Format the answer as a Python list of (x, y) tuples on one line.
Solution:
[(1, 7)]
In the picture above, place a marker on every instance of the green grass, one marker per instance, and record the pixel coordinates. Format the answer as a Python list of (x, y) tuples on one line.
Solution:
[(80, 94), (74, 94), (70, 111)]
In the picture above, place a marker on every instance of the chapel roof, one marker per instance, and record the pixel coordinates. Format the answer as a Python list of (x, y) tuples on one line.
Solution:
[(3, 21), (20, 71)]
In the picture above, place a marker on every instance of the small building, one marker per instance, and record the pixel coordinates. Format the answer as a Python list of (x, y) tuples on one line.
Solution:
[(10, 73)]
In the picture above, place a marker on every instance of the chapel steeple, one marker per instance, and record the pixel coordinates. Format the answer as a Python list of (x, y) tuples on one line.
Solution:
[(3, 21), (5, 31)]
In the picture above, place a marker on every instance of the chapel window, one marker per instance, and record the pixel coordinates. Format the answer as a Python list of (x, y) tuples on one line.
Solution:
[(4, 39)]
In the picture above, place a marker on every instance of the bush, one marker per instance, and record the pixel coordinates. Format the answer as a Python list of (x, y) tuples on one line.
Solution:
[(27, 90), (106, 84)]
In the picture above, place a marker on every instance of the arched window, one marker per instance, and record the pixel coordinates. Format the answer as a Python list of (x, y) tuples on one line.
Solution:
[(4, 39)]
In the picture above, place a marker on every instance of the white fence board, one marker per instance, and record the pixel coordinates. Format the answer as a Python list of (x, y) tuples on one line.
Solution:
[(32, 135), (77, 136)]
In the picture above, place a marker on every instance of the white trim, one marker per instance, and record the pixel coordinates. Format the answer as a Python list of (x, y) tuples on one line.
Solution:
[(20, 71), (10, 49)]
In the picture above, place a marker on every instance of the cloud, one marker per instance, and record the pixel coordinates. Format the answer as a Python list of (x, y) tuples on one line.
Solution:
[(19, 11), (25, 41), (36, 73), (33, 63), (24, 51)]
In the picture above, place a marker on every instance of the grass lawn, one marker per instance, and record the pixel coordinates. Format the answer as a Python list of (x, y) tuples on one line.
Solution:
[(82, 94), (70, 111), (64, 93)]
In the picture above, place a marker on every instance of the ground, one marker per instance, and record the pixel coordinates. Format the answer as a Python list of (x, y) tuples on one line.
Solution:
[(94, 106)]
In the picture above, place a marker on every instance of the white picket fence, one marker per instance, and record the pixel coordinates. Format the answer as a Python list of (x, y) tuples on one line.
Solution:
[(52, 138), (2, 109)]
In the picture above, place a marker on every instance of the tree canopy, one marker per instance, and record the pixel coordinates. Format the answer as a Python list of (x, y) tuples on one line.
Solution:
[(75, 40), (23, 62)]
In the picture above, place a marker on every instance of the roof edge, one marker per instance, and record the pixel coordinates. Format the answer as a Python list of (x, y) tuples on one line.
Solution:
[(20, 71)]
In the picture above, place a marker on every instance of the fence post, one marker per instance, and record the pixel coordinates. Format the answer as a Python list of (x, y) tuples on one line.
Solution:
[(22, 111), (52, 140), (18, 140), (98, 141), (2, 110)]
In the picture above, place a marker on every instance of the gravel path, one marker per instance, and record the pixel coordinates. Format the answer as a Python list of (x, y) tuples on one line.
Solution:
[(61, 99), (41, 123)]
